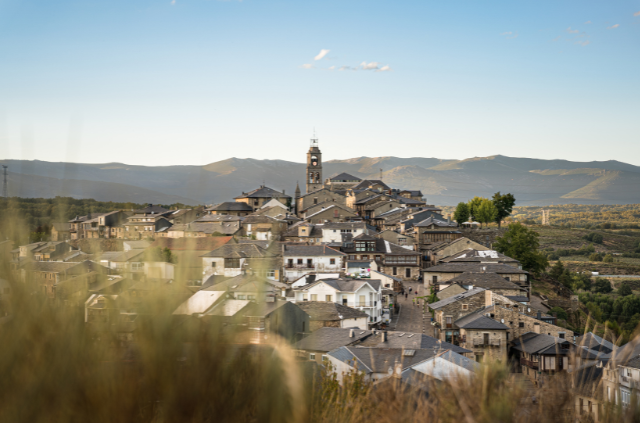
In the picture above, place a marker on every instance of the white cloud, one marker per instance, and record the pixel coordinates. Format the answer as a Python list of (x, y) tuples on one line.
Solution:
[(369, 66), (332, 67), (173, 2), (344, 68), (386, 68), (584, 43), (320, 55), (587, 22), (307, 66), (510, 35), (613, 26), (507, 33), (572, 31), (637, 13)]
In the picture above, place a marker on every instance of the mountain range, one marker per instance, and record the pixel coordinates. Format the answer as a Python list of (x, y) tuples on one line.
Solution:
[(443, 182)]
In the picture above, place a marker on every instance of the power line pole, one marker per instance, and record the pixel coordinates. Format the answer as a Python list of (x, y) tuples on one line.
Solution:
[(5, 189)]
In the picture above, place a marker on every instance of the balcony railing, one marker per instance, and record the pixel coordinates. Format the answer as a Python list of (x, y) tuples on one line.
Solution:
[(531, 364), (362, 304), (299, 266), (480, 342)]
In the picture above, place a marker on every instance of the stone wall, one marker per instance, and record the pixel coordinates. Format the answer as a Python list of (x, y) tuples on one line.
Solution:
[(513, 319), (317, 324), (456, 311), (488, 353), (485, 237)]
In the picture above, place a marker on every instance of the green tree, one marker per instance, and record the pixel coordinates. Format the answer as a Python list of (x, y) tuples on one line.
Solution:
[(597, 238), (504, 204), (521, 243), (560, 312), (602, 285), (595, 311), (486, 212), (556, 270), (474, 203), (624, 290), (608, 258), (461, 214)]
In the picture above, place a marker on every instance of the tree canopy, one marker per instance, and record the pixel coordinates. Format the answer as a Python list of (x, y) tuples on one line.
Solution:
[(461, 214), (486, 212), (504, 204), (522, 243)]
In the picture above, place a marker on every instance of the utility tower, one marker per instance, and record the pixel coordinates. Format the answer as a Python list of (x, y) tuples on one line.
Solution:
[(5, 189)]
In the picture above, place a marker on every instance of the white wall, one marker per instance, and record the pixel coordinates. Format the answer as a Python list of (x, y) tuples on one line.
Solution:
[(359, 322), (333, 235), (320, 264), (208, 269)]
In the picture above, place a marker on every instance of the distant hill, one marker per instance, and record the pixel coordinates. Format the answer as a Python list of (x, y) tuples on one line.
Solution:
[(444, 182)]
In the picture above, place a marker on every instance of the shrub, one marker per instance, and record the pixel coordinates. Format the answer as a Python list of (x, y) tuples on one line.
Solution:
[(608, 258), (602, 285), (595, 257), (560, 312), (624, 290)]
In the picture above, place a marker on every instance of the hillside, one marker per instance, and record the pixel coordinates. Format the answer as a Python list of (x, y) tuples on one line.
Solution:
[(444, 182)]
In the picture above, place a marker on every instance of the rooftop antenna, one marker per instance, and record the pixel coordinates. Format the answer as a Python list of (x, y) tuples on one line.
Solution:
[(5, 189), (314, 139)]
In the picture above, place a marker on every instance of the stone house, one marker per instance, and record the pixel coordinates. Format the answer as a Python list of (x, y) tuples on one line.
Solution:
[(230, 208), (541, 356), (487, 338), (450, 291), (184, 216), (44, 277), (50, 251), (263, 228), (329, 314), (389, 258), (319, 197), (204, 229), (261, 196), (107, 225), (232, 260), (353, 197), (330, 213), (143, 225), (520, 323), (300, 260), (435, 275), (341, 181), (373, 209), (491, 281), (396, 238), (303, 232), (412, 194), (447, 311), (60, 231), (334, 231), (436, 252), (316, 346)]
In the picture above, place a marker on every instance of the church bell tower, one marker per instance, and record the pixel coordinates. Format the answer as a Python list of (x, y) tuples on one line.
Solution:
[(314, 167)]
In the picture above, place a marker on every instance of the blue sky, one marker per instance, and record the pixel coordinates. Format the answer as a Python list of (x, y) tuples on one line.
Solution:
[(197, 81)]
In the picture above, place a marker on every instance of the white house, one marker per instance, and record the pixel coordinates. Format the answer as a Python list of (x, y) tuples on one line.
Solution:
[(300, 260), (362, 294), (332, 232), (231, 260)]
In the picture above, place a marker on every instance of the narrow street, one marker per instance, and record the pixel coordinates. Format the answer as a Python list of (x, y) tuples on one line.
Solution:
[(411, 318)]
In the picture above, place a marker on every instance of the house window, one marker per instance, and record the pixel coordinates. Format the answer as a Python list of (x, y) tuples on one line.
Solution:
[(434, 279), (231, 263), (271, 273), (329, 297), (465, 306), (213, 264), (325, 357), (520, 324), (407, 273), (314, 297), (332, 261), (561, 335), (305, 297), (242, 297), (312, 356), (315, 200), (394, 271), (309, 263), (299, 261)]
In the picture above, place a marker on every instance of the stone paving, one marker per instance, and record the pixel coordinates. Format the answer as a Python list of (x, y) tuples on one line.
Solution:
[(411, 317)]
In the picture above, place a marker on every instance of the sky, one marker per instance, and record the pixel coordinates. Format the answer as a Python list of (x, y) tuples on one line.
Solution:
[(191, 82)]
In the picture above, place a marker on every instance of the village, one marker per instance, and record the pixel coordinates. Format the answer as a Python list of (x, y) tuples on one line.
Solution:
[(352, 273)]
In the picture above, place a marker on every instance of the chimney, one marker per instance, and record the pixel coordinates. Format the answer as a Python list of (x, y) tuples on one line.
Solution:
[(352, 333), (283, 192), (449, 220), (539, 316), (488, 298), (383, 336), (536, 327)]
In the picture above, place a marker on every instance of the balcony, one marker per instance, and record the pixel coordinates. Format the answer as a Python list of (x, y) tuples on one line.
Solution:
[(481, 342), (300, 266), (530, 364), (362, 304)]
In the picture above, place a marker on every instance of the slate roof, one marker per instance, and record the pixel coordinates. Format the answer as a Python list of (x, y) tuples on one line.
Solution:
[(366, 183), (437, 222), (594, 342), (324, 204), (343, 225), (478, 320), (228, 308), (538, 343), (476, 268), (239, 251), (410, 341), (344, 177), (122, 256), (472, 255), (231, 206), (263, 309), (225, 228), (455, 298), (289, 250), (379, 360), (205, 243), (460, 360), (219, 218), (324, 311), (199, 302), (324, 209), (345, 285), (263, 192), (483, 280), (327, 339), (256, 218), (518, 298)]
